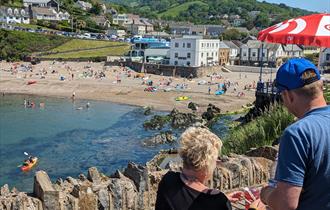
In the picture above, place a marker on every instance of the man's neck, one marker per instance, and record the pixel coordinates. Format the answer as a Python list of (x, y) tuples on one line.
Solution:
[(310, 105)]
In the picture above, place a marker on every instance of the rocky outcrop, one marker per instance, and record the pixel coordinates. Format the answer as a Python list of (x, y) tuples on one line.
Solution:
[(134, 188), (268, 152), (211, 112), (162, 138)]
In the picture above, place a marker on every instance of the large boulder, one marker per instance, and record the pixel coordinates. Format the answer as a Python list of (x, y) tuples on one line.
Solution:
[(162, 138), (93, 175), (211, 112)]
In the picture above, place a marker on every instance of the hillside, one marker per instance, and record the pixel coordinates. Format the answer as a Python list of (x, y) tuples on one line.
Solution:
[(176, 9), (208, 11), (15, 45), (79, 48)]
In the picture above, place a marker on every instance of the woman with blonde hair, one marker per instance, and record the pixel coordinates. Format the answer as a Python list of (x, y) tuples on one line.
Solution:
[(199, 149)]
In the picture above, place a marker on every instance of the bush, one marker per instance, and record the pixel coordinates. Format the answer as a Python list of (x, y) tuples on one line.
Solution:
[(264, 130)]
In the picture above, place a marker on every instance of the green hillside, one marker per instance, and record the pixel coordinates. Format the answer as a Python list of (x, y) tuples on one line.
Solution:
[(79, 48), (177, 9), (15, 45)]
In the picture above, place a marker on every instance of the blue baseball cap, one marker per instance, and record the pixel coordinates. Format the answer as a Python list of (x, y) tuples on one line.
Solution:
[(296, 73)]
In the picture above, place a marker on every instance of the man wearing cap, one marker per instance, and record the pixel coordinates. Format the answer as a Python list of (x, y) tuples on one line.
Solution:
[(303, 169)]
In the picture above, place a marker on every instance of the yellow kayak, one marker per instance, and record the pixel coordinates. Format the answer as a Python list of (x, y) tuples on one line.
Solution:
[(182, 98), (29, 165)]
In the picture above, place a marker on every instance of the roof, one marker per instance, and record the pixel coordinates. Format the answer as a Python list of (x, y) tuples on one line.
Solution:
[(223, 45), (37, 1), (257, 44), (231, 45), (43, 11), (237, 43), (4, 10), (291, 47)]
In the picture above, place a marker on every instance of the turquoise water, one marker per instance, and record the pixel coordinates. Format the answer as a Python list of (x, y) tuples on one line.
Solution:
[(69, 141)]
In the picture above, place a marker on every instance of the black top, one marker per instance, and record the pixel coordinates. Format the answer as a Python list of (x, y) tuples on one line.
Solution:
[(173, 194)]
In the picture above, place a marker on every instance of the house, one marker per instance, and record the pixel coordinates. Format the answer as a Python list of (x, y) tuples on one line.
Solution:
[(234, 51), (253, 52), (41, 13), (41, 3), (238, 22), (292, 50), (120, 19), (101, 21), (83, 5), (214, 30), (139, 26), (14, 15), (325, 58), (308, 50), (194, 51), (223, 54), (246, 39), (116, 32)]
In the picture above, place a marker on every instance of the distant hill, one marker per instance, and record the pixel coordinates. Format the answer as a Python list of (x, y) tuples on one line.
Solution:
[(209, 11)]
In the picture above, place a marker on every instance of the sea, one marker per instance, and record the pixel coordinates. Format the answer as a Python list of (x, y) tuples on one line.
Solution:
[(68, 137)]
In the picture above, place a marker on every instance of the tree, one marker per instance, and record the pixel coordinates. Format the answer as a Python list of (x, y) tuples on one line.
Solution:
[(232, 34), (96, 9), (262, 21)]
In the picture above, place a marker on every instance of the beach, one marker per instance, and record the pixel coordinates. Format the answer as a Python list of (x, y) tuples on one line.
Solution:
[(94, 81)]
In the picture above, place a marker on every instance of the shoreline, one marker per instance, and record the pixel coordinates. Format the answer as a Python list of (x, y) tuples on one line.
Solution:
[(130, 91)]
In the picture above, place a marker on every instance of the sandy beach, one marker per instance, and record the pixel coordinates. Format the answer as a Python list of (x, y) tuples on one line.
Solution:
[(120, 85)]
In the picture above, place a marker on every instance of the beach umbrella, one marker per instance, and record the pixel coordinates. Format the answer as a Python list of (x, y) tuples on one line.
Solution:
[(310, 30)]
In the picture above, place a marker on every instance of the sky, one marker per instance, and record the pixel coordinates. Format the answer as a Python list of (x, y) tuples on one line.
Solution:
[(311, 5)]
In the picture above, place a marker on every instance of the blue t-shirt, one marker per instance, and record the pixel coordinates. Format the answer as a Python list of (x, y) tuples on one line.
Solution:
[(304, 159)]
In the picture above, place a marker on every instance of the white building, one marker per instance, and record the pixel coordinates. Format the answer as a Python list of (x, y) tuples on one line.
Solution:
[(83, 5), (41, 3), (194, 51), (40, 13), (14, 15), (325, 57)]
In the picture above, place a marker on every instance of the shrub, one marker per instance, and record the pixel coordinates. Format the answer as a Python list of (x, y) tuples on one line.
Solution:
[(264, 130)]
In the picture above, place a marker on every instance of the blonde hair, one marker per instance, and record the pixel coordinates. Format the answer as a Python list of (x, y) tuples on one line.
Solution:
[(199, 148)]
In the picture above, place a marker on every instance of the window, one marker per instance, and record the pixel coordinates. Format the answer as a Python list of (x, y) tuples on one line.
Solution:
[(254, 54), (202, 54), (208, 44), (207, 54), (188, 63), (176, 44), (202, 44), (183, 45), (212, 54), (212, 44), (327, 57), (189, 45), (176, 55), (263, 54), (244, 54), (216, 54), (175, 62), (188, 55)]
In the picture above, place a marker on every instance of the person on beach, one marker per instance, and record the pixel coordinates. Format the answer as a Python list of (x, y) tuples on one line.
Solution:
[(302, 177), (199, 149), (209, 90)]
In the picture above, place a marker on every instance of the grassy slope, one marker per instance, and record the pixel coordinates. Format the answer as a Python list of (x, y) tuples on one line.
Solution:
[(175, 10), (327, 92), (84, 48)]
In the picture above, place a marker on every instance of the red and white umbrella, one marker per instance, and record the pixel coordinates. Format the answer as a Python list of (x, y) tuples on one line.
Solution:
[(310, 30)]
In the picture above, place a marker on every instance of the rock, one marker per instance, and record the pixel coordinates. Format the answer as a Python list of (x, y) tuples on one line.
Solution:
[(157, 122), (162, 138), (42, 184), (82, 177), (184, 120), (193, 106), (211, 112), (138, 174), (104, 198), (72, 180), (147, 110), (269, 152), (4, 191), (88, 201), (93, 175), (123, 193)]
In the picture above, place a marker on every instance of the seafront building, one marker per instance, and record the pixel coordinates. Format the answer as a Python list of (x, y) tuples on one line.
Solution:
[(14, 15), (194, 51)]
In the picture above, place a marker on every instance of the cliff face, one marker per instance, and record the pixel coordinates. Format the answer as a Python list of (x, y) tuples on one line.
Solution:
[(134, 188)]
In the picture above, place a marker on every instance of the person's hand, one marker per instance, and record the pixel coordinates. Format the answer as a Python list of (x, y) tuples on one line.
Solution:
[(235, 196)]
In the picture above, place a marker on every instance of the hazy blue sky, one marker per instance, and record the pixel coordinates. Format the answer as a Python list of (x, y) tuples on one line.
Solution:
[(312, 5)]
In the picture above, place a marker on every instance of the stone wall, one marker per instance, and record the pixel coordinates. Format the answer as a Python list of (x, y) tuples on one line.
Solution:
[(134, 188), (168, 70)]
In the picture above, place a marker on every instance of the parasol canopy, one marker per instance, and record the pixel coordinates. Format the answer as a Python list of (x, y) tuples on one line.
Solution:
[(310, 30)]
